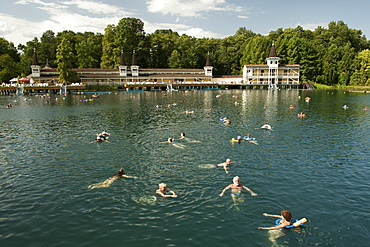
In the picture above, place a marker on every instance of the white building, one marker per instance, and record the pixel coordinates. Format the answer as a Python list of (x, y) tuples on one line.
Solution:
[(271, 74)]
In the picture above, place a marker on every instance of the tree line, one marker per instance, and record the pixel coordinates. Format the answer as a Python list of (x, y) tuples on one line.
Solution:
[(336, 55)]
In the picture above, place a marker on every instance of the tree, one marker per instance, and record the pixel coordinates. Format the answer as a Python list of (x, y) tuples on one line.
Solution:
[(108, 60), (8, 68), (361, 75), (128, 34), (64, 57), (162, 44), (174, 61), (8, 60), (89, 52), (47, 48)]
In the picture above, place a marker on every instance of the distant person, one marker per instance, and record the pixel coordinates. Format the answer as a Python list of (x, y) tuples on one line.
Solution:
[(236, 189), (99, 139), (266, 126), (182, 135), (225, 165), (172, 141), (301, 115), (286, 217), (105, 135), (121, 173), (248, 137), (163, 190)]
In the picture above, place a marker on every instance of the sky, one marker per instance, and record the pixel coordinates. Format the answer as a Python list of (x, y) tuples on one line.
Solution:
[(23, 20)]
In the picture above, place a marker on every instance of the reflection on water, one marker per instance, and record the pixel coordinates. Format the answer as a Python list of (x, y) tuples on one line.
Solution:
[(317, 167)]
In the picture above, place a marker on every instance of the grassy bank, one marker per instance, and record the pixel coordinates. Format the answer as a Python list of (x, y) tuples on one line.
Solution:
[(340, 87)]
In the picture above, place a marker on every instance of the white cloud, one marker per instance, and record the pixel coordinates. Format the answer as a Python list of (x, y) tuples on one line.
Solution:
[(97, 7), (312, 26), (243, 17), (59, 17), (181, 29), (190, 8), (200, 33)]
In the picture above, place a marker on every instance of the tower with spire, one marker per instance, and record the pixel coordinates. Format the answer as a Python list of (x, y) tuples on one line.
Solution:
[(122, 66), (35, 66), (134, 66), (208, 67), (273, 64)]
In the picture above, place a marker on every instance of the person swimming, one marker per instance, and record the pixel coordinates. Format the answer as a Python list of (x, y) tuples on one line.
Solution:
[(99, 139), (225, 165), (266, 126), (121, 173), (285, 221), (172, 141), (162, 191), (236, 188)]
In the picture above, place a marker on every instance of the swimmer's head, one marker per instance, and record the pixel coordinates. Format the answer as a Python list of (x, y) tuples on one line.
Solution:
[(182, 134), (121, 171), (239, 138), (286, 214), (236, 180), (228, 160), (162, 185), (170, 140)]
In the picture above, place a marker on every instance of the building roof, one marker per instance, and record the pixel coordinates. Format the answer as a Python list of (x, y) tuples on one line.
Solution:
[(272, 51), (133, 63), (35, 61), (208, 61)]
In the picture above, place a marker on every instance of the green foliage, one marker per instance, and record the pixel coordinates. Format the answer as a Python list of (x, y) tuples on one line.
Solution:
[(64, 61), (361, 75)]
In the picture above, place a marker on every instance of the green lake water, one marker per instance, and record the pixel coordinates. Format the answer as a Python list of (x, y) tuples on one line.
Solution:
[(317, 167)]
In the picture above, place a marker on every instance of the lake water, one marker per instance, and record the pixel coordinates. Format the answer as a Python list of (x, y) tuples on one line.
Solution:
[(317, 167)]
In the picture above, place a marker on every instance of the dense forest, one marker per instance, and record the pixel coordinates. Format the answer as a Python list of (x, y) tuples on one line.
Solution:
[(336, 55)]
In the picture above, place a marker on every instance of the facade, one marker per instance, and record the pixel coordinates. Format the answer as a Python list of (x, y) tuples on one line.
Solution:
[(272, 74), (125, 75)]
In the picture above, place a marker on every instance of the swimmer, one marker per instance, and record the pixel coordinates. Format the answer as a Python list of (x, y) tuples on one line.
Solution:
[(300, 115), (238, 139), (291, 106), (162, 190), (189, 112), (307, 99), (171, 141), (99, 139), (285, 216), (225, 165), (182, 135), (236, 188), (250, 139), (266, 126), (105, 135), (345, 107), (225, 120), (121, 173), (366, 108)]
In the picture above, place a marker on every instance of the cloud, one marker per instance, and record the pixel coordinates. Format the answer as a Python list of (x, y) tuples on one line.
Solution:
[(243, 17), (181, 29), (190, 8), (97, 7), (60, 16), (312, 26)]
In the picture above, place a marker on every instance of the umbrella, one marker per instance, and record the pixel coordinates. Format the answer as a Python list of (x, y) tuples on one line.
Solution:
[(24, 79), (14, 79)]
